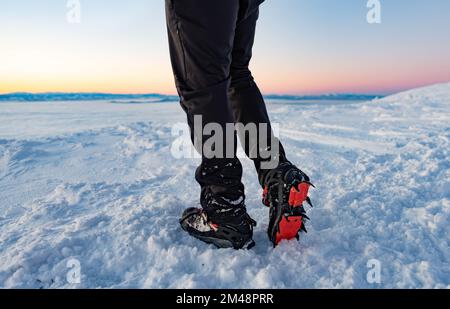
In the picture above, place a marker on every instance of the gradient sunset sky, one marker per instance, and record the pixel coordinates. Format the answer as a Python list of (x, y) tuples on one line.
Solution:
[(302, 47)]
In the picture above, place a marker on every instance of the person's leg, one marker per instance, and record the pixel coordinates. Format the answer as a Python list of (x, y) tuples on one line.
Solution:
[(285, 186), (201, 36), (245, 97)]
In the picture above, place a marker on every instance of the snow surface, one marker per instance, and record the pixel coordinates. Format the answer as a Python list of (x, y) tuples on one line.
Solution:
[(95, 181)]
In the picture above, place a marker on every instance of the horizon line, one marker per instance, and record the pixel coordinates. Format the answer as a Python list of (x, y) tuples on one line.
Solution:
[(99, 96), (306, 94)]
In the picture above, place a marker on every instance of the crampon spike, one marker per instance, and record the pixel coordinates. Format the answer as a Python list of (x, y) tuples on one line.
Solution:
[(303, 228), (311, 184)]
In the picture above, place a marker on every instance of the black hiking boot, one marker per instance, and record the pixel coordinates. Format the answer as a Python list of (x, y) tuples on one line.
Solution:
[(285, 190), (225, 226)]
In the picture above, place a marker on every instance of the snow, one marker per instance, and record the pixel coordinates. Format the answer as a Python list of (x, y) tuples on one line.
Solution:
[(96, 182)]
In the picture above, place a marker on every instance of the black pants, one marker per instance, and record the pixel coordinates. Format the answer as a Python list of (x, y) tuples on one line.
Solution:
[(211, 46)]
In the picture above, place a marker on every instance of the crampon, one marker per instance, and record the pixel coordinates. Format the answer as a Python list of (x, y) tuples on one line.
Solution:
[(285, 193)]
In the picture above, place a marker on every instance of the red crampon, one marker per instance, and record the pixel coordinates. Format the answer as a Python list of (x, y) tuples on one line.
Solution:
[(287, 218)]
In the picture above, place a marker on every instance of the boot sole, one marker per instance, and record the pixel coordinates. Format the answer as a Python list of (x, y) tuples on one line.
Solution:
[(283, 225)]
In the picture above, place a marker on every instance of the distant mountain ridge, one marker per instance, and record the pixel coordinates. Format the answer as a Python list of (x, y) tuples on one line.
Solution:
[(81, 96), (154, 97), (332, 96)]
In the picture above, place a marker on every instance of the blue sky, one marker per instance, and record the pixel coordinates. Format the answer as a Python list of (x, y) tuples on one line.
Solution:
[(302, 46)]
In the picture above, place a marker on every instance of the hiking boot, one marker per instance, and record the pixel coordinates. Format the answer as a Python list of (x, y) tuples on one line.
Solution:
[(285, 191)]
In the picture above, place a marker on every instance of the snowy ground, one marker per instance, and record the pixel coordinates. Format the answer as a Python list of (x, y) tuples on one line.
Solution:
[(95, 181)]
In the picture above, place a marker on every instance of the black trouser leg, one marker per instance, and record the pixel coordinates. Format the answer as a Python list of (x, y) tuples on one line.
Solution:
[(201, 36), (246, 100), (210, 46)]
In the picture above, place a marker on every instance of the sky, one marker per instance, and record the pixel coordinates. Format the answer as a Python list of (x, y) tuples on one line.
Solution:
[(302, 47)]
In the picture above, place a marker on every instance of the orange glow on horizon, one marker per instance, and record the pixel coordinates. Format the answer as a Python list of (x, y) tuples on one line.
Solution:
[(142, 79)]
